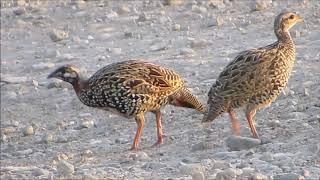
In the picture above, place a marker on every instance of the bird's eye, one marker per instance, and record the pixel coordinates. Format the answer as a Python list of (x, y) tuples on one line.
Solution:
[(291, 17)]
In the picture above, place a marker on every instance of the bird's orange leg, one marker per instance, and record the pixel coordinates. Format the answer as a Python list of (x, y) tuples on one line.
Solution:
[(250, 113), (159, 130), (234, 122), (140, 122)]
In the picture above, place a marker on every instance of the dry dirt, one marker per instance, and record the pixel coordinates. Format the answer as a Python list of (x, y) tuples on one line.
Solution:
[(197, 39)]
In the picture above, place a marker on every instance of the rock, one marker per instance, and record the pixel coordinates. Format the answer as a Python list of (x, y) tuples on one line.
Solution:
[(259, 176), (87, 123), (40, 172), (11, 95), (288, 176), (121, 141), (3, 138), (47, 138), (219, 4), (260, 5), (172, 2), (14, 80), (43, 66), (65, 168), (227, 174), (112, 15), (142, 17), (123, 10), (128, 34), (19, 11), (21, 2), (153, 165), (8, 130), (198, 43), (23, 152), (158, 47), (28, 131), (219, 21), (61, 139), (221, 165), (58, 35), (187, 52), (139, 156), (176, 27), (237, 143), (198, 176), (189, 169), (199, 9), (115, 51)]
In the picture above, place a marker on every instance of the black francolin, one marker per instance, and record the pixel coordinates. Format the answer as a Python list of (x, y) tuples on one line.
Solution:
[(131, 88), (255, 77)]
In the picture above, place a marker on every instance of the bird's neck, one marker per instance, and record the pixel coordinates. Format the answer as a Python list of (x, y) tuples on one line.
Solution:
[(284, 36), (79, 85)]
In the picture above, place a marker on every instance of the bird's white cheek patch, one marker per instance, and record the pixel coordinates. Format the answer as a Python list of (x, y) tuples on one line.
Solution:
[(69, 75)]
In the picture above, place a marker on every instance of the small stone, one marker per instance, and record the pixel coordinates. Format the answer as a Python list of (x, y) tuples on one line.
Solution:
[(142, 17), (28, 131), (8, 130), (121, 141), (87, 123), (47, 138), (288, 176), (65, 168), (199, 9), (11, 95), (14, 80), (259, 176), (237, 143), (305, 173), (189, 169), (154, 165), (35, 83), (3, 138), (123, 10), (172, 2), (23, 152), (43, 66), (115, 51), (158, 47), (128, 34), (40, 172), (198, 43), (139, 156), (187, 52), (260, 5), (227, 174), (219, 21), (58, 35), (218, 164), (176, 27), (19, 11), (21, 2), (90, 37), (198, 176), (219, 4), (112, 15)]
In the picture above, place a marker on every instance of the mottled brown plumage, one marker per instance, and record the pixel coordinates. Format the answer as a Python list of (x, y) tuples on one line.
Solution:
[(131, 88), (255, 77)]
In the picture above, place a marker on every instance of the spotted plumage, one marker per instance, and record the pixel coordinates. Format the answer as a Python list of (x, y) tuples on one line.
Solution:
[(255, 77), (131, 88)]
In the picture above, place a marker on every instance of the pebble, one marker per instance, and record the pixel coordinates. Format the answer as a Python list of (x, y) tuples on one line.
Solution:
[(187, 52), (189, 169), (87, 123), (218, 164), (23, 152), (219, 4), (237, 143), (3, 138), (219, 21), (28, 131), (198, 43), (198, 176), (176, 27), (61, 139), (8, 130), (288, 176), (199, 9), (158, 47), (14, 80), (115, 51), (65, 168), (259, 176), (123, 10), (43, 66), (172, 2), (19, 11), (112, 15), (227, 174), (47, 138), (11, 95), (121, 141), (142, 17), (58, 35), (139, 156), (153, 165), (260, 5)]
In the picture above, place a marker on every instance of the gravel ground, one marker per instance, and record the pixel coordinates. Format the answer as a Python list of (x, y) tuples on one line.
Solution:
[(46, 133)]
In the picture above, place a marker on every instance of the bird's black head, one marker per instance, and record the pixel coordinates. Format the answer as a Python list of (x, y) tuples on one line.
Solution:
[(68, 73)]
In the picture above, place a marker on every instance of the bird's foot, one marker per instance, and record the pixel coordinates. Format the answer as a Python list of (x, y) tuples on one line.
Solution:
[(159, 142)]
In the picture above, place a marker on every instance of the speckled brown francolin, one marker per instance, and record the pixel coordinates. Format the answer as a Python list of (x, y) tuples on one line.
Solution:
[(255, 77), (131, 88)]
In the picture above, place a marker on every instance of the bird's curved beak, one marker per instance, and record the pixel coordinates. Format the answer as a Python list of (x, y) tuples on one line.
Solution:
[(54, 74)]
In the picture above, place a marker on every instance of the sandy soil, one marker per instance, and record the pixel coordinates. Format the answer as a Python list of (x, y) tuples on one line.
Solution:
[(197, 39)]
